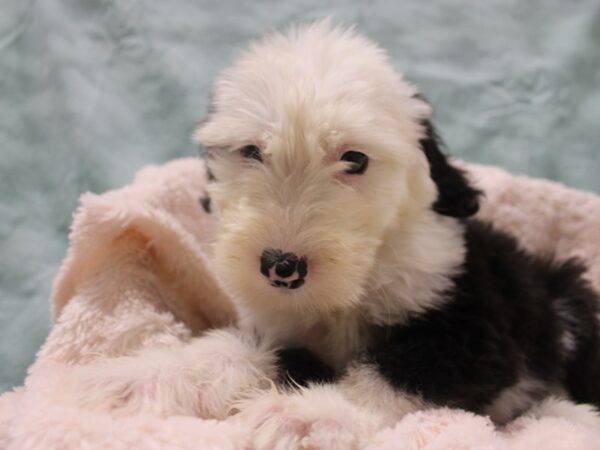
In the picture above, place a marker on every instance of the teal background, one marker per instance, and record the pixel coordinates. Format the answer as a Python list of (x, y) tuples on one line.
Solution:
[(92, 90)]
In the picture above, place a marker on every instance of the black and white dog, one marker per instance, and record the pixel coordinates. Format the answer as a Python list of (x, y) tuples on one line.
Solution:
[(346, 241)]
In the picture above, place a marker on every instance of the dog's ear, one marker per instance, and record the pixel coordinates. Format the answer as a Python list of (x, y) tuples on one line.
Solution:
[(456, 197)]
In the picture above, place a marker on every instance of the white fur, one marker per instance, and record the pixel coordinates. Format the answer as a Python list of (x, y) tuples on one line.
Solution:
[(365, 387), (304, 98), (344, 416), (375, 250), (581, 414), (318, 417)]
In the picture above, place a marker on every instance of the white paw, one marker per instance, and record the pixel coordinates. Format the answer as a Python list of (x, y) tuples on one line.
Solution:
[(314, 418), (581, 414)]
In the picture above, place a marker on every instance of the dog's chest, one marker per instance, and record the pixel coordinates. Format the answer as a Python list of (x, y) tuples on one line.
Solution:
[(336, 339), (337, 342)]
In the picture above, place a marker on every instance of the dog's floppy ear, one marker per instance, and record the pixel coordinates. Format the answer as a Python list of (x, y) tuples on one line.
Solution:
[(456, 197)]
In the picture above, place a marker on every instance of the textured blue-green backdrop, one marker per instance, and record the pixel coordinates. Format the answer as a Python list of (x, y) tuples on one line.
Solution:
[(91, 90)]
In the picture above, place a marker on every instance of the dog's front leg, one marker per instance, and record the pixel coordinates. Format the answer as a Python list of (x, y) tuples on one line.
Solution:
[(341, 415), (203, 377)]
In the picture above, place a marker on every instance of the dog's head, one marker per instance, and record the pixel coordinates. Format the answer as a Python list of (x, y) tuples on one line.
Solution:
[(319, 151)]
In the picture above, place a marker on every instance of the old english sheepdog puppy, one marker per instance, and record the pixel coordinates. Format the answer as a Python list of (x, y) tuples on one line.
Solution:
[(365, 289)]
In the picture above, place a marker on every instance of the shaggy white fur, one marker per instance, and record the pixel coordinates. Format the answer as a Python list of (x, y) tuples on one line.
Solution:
[(304, 98)]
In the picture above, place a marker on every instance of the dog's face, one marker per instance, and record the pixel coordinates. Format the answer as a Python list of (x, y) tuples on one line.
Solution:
[(315, 144)]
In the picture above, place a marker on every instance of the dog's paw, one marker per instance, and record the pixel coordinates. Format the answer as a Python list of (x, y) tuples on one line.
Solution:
[(314, 418), (561, 408)]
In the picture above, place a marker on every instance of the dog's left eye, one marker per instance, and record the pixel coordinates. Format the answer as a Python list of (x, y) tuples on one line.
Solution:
[(359, 161), (251, 152)]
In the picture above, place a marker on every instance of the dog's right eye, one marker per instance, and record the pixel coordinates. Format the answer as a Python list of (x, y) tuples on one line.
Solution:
[(359, 161), (251, 152)]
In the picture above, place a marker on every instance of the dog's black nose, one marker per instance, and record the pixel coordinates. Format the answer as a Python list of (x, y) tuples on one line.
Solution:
[(283, 269)]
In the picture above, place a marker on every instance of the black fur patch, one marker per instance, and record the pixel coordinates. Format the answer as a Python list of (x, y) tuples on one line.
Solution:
[(578, 301), (298, 366), (499, 322), (456, 197)]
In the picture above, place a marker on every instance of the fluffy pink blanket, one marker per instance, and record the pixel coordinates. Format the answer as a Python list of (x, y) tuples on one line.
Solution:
[(137, 276)]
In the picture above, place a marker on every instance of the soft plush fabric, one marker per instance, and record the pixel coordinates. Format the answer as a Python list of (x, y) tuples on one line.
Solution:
[(137, 275), (92, 90)]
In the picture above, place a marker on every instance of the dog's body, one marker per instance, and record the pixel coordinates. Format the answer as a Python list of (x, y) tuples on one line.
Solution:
[(346, 238), (452, 310)]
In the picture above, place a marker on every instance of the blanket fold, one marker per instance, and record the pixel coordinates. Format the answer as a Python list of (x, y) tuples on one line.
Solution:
[(137, 275)]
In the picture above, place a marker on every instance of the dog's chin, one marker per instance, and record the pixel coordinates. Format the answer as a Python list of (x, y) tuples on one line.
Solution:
[(308, 301), (323, 292)]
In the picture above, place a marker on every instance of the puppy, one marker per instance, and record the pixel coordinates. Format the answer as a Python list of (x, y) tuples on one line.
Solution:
[(346, 239)]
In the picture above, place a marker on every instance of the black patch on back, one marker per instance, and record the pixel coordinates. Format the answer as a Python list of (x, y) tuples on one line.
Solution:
[(499, 322), (580, 304), (456, 197), (300, 366)]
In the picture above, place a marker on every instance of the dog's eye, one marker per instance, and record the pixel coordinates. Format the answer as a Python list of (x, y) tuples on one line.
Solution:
[(359, 161), (251, 152)]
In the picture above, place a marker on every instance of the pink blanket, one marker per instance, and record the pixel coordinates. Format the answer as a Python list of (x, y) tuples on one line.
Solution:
[(138, 276)]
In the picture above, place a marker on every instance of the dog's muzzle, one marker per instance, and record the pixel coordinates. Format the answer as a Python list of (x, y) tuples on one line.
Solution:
[(283, 269)]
